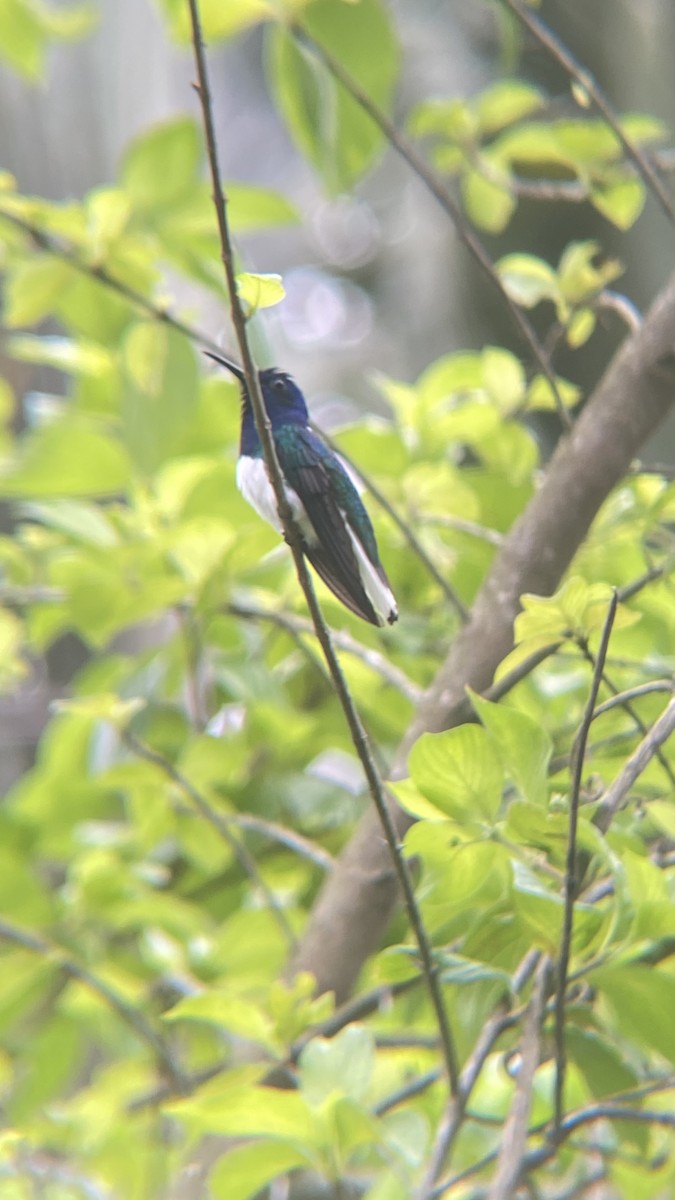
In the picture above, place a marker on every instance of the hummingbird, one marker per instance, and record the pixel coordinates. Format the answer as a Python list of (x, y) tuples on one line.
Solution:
[(336, 532)]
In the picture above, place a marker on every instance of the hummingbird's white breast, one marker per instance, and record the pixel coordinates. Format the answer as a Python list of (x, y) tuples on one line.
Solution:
[(254, 485)]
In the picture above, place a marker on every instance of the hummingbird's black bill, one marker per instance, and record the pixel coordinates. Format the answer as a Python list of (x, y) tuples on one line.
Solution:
[(229, 365)]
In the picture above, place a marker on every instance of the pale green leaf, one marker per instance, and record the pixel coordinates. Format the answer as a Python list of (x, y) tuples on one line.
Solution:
[(161, 166), (328, 125), (82, 522), (503, 377), (69, 457), (643, 1000), (226, 1011), (13, 666), (33, 288), (250, 208), (528, 280), (505, 102), (244, 1171), (459, 771), (523, 746), (259, 291), (248, 1111), (580, 328), (488, 203), (540, 394), (343, 1064), (620, 202), (218, 20), (103, 707)]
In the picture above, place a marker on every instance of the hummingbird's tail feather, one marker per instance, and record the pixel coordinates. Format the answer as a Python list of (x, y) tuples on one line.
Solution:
[(351, 594)]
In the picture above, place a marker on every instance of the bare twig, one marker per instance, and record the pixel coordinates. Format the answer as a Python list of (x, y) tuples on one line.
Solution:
[(300, 845), (634, 693), (585, 79), (571, 882), (354, 722), (628, 707), (450, 1124), (344, 641), (613, 797), (514, 1140)]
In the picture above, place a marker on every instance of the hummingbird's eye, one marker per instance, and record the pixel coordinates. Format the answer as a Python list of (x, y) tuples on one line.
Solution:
[(279, 386)]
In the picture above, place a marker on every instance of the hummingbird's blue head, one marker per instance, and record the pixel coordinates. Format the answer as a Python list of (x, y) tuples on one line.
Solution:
[(284, 402), (283, 399)]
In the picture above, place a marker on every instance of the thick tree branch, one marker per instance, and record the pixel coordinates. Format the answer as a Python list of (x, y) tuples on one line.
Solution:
[(633, 397)]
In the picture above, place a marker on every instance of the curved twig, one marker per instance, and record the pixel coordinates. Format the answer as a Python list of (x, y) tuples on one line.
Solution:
[(356, 729)]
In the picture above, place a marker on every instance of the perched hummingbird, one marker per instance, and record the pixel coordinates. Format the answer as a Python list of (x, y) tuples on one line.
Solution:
[(337, 536)]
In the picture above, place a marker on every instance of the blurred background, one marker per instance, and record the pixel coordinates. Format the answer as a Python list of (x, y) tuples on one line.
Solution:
[(379, 282)]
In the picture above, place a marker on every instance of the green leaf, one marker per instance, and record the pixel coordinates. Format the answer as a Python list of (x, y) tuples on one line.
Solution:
[(251, 208), (218, 20), (259, 291), (580, 328), (26, 27), (489, 204), (102, 707), (524, 747), (540, 394), (459, 771), (528, 280), (242, 1173), (327, 124), (161, 166), (233, 1013), (604, 1068), (505, 102), (247, 1111), (159, 398), (643, 1000), (581, 277), (33, 288), (503, 377), (620, 202), (69, 457), (576, 610), (77, 356), (342, 1064), (539, 910)]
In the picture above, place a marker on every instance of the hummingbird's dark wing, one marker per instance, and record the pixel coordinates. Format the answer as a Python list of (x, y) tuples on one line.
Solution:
[(343, 551)]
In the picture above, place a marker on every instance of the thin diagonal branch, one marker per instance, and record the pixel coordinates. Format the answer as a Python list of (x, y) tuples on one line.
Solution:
[(630, 711), (125, 1011), (218, 822), (58, 249), (571, 881), (613, 797), (356, 728), (585, 79), (344, 641)]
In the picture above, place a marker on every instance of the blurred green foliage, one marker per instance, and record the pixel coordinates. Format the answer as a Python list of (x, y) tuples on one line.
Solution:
[(150, 884)]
